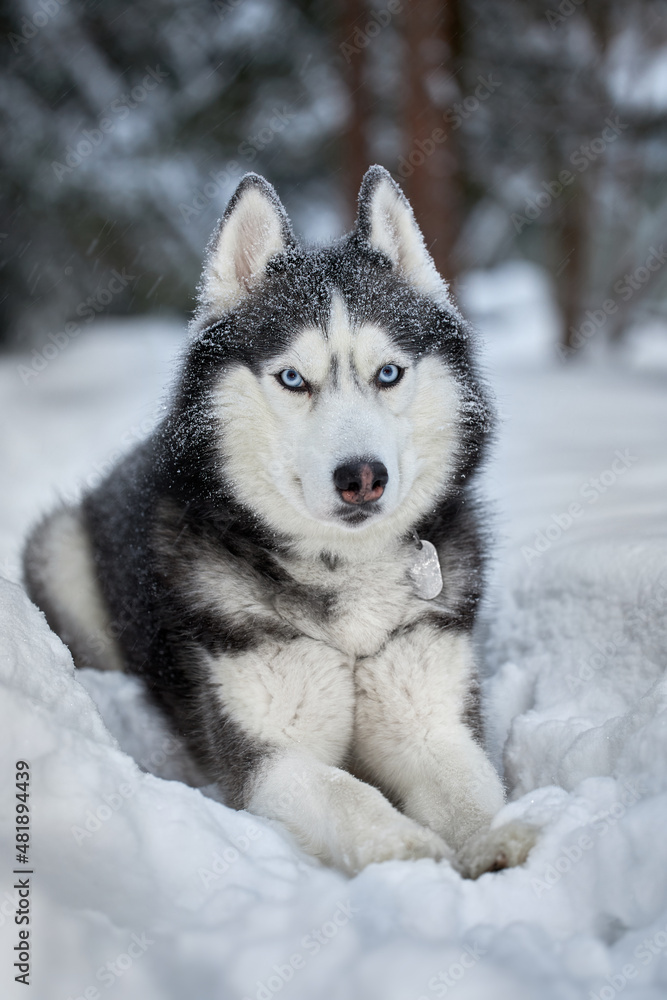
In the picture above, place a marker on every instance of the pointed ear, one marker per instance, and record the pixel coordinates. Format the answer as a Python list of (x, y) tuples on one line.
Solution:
[(386, 222), (253, 229)]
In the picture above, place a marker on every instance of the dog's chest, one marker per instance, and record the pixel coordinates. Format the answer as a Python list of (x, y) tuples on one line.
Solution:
[(354, 606)]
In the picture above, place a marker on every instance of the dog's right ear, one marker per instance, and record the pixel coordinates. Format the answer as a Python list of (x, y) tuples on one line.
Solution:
[(386, 223), (253, 229)]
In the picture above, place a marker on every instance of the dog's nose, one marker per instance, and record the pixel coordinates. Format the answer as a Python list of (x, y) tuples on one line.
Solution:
[(360, 481)]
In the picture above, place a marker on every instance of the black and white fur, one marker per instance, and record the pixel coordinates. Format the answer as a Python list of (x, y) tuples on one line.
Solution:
[(273, 621)]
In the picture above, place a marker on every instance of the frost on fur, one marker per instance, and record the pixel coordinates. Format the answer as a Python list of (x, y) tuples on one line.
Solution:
[(254, 228), (387, 221)]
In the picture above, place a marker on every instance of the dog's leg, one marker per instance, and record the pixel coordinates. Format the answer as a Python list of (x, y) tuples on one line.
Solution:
[(411, 736), (60, 577), (294, 703)]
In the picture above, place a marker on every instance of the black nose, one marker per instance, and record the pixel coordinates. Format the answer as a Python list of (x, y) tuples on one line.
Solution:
[(361, 481)]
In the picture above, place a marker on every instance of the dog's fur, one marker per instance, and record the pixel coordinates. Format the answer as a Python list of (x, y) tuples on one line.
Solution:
[(275, 620)]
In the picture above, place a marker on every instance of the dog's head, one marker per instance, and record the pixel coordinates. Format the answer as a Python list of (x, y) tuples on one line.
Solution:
[(341, 405)]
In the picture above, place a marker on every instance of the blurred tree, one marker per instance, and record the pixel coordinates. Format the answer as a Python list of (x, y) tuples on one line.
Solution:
[(353, 47), (517, 129), (127, 128), (564, 157), (430, 166)]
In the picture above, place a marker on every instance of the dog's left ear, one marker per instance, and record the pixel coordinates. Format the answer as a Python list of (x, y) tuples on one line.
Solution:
[(253, 229), (386, 221)]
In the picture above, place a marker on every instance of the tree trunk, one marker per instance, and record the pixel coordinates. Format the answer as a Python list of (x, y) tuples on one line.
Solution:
[(429, 167), (356, 151), (571, 272)]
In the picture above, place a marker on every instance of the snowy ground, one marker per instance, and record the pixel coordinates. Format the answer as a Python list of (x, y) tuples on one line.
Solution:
[(146, 888)]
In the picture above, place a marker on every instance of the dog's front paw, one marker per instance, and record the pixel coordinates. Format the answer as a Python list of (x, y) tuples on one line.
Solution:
[(397, 838), (363, 828), (492, 850)]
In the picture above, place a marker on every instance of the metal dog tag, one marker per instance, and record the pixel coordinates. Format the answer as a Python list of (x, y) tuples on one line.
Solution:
[(425, 571)]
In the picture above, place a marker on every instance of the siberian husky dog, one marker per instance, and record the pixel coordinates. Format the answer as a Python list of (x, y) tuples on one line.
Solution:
[(293, 560)]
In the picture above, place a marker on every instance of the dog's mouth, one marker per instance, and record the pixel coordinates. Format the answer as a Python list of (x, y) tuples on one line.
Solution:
[(357, 515)]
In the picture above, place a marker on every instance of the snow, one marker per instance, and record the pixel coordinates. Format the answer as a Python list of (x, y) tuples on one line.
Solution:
[(637, 72), (146, 887)]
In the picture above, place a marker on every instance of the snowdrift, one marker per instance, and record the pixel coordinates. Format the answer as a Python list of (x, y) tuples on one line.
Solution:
[(147, 887)]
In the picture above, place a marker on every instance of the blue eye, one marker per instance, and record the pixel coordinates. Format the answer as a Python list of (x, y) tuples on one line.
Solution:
[(291, 379), (389, 374)]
